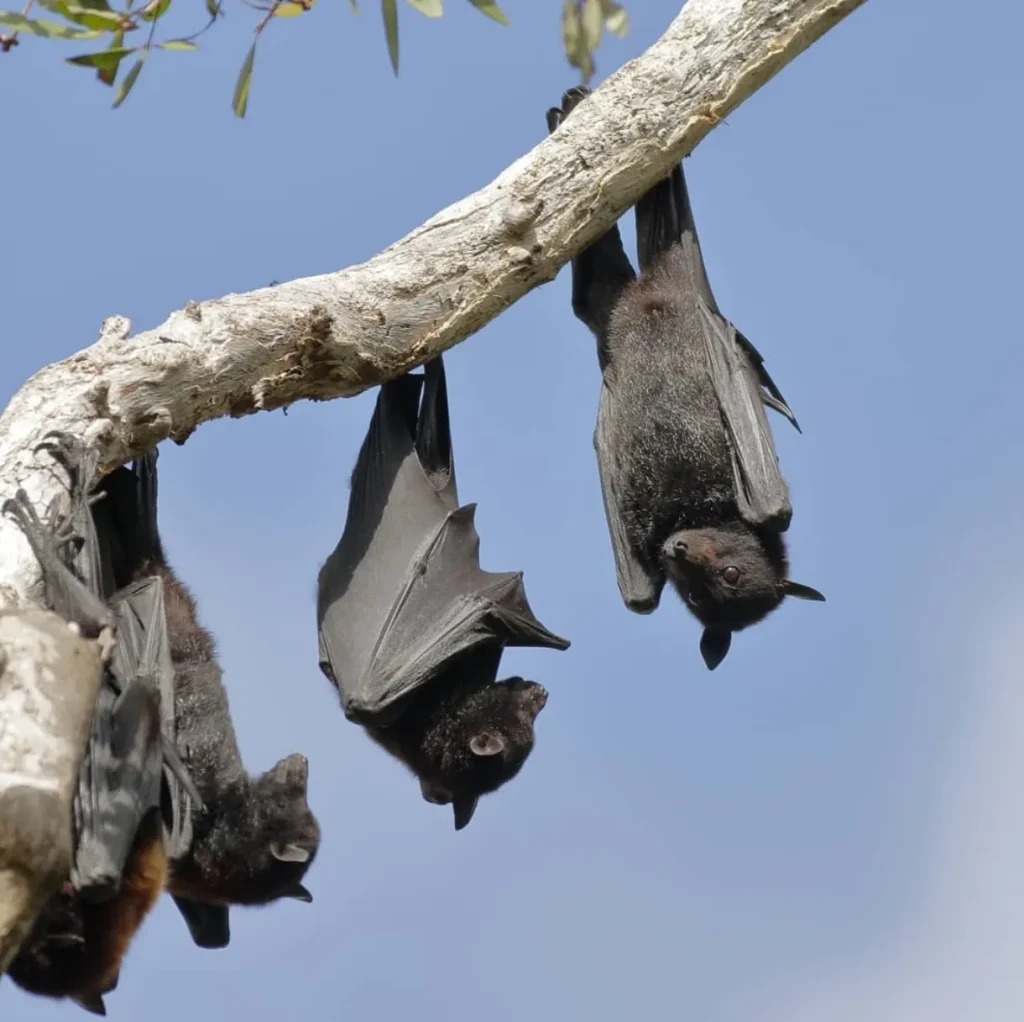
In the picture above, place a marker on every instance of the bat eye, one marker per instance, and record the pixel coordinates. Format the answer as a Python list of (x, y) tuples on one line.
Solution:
[(731, 575)]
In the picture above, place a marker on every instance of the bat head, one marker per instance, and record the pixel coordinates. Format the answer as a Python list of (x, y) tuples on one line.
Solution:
[(477, 742), (729, 578), (288, 834)]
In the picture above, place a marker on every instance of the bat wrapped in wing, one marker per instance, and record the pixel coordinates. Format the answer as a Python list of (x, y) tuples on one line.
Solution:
[(254, 837), (133, 796), (690, 477), (411, 629)]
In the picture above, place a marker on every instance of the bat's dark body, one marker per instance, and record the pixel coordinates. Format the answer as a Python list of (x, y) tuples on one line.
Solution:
[(411, 629), (131, 806), (690, 477), (256, 837)]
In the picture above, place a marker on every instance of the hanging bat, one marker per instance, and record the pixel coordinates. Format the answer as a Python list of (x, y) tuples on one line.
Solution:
[(256, 837), (124, 814), (689, 474), (411, 629)]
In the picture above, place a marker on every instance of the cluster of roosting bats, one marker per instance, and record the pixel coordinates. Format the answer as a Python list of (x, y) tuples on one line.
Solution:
[(411, 628)]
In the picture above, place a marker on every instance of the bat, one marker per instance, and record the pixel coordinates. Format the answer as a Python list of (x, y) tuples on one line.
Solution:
[(690, 477), (126, 810), (256, 836), (411, 630)]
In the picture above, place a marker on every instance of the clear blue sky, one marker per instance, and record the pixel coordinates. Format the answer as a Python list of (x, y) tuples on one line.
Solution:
[(830, 825)]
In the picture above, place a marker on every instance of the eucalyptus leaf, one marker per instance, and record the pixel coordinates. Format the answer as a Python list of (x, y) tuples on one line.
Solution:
[(389, 8), (44, 27), (178, 44), (431, 8), (616, 20), (240, 100), (213, 9), (109, 21), (129, 80), (292, 8), (592, 22), (491, 9), (103, 59), (573, 41), (107, 74), (154, 9)]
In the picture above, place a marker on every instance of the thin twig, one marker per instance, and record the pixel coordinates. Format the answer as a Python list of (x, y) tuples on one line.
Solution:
[(7, 41)]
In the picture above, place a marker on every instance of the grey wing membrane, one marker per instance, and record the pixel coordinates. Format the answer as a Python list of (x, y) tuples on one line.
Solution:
[(448, 607), (403, 593), (142, 656), (762, 495), (640, 588)]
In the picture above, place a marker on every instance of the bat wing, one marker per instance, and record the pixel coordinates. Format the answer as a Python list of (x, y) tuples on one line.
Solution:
[(665, 223), (143, 656), (210, 925), (640, 587), (403, 592), (119, 787), (762, 496)]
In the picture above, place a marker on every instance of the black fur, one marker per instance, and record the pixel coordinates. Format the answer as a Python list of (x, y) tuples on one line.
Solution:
[(257, 836), (466, 735), (668, 447)]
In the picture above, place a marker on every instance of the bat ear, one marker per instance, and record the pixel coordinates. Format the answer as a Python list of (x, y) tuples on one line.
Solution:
[(464, 809), (289, 853), (486, 744), (293, 770), (799, 591), (298, 892), (714, 644)]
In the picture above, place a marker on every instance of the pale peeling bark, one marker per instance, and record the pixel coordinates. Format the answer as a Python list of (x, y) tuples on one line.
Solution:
[(337, 334), (49, 678)]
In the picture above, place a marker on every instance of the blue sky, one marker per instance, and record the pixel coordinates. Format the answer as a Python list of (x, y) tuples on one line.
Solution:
[(829, 826)]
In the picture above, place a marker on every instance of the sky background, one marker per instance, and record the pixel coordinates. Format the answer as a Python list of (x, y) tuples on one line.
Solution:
[(829, 826)]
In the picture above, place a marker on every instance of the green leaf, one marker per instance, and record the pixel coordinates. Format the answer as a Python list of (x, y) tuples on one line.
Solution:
[(431, 8), (573, 41), (95, 5), (213, 9), (389, 8), (616, 20), (56, 6), (292, 8), (103, 59), (43, 27), (107, 75), (592, 22), (154, 9), (107, 21), (240, 100), (129, 80), (491, 9), (177, 44), (355, 5)]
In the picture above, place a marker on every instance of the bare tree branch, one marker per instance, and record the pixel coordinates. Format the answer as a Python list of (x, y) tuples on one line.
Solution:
[(337, 334), (49, 678)]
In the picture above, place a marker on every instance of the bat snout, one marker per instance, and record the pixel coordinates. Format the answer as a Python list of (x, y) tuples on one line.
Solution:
[(532, 692)]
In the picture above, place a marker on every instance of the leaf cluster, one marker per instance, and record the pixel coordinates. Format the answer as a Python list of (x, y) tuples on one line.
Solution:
[(583, 24)]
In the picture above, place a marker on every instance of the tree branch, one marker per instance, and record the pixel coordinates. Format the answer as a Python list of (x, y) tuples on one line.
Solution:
[(49, 678), (337, 334)]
